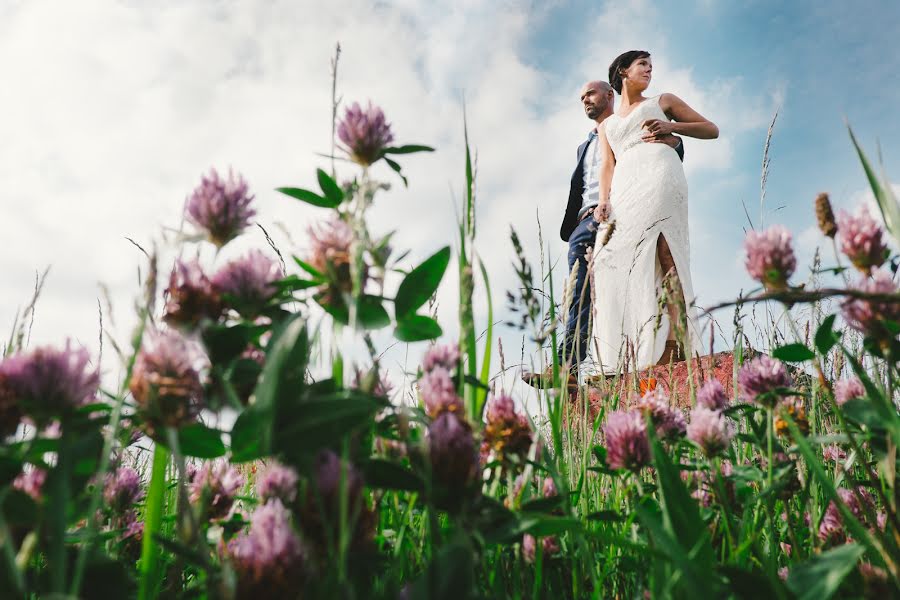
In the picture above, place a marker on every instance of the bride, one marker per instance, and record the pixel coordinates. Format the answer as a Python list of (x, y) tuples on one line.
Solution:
[(642, 275)]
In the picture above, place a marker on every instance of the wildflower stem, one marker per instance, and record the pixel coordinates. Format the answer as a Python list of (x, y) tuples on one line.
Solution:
[(59, 491), (153, 511), (7, 542)]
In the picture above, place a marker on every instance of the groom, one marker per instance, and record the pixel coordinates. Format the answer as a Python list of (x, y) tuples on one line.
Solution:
[(580, 229)]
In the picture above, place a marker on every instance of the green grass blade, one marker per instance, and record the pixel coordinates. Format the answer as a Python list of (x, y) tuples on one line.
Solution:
[(153, 511), (481, 394), (884, 194)]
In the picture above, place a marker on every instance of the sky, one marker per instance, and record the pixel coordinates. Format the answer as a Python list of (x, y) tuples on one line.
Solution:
[(111, 111)]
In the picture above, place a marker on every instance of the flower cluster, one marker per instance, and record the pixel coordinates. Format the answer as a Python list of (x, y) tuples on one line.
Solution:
[(627, 444), (847, 389), (122, 489), (453, 456), (248, 282), (364, 133), (760, 378), (277, 481), (860, 503), (667, 420), (219, 207), (770, 256), (269, 557), (47, 383), (31, 482), (794, 408), (331, 245), (507, 433), (709, 430), (190, 297), (213, 487), (331, 479), (436, 384), (165, 381), (870, 316), (861, 239), (711, 395), (549, 544)]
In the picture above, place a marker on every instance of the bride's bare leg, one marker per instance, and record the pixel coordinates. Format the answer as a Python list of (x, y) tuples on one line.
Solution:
[(673, 283)]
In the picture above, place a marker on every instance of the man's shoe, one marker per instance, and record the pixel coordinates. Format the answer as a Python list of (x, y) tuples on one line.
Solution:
[(543, 381)]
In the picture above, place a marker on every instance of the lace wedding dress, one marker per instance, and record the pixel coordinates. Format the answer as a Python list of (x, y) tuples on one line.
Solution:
[(648, 199)]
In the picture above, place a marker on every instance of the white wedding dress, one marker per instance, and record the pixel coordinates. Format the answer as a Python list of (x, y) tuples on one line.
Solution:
[(648, 198)]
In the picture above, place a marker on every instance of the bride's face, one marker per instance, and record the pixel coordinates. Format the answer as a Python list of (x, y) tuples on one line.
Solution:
[(639, 73)]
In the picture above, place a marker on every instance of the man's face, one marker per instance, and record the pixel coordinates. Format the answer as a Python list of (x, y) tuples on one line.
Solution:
[(594, 100)]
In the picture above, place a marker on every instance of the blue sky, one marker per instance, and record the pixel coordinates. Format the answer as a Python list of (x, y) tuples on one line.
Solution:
[(119, 107)]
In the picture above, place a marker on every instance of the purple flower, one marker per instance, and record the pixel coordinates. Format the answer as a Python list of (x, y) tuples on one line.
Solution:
[(190, 297), (759, 378), (330, 253), (668, 421), (165, 381), (277, 481), (365, 380), (122, 489), (453, 454), (214, 485), (861, 239), (333, 478), (627, 445), (869, 316), (770, 257), (220, 207), (834, 453), (712, 395), (507, 432), (364, 133), (441, 355), (709, 430), (549, 488), (269, 557), (49, 382), (831, 529), (249, 281), (847, 389), (31, 482), (439, 393), (549, 547)]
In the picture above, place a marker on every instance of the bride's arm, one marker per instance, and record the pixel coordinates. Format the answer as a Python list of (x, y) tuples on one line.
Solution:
[(687, 121), (607, 166)]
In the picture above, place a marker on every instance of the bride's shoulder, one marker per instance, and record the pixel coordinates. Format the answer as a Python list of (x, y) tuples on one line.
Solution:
[(667, 100)]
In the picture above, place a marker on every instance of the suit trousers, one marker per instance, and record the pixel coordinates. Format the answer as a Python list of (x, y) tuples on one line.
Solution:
[(578, 323)]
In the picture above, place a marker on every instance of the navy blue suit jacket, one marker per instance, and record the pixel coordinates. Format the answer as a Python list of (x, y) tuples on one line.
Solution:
[(576, 191)]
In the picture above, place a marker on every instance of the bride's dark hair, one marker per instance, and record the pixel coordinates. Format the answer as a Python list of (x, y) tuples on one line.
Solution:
[(622, 62)]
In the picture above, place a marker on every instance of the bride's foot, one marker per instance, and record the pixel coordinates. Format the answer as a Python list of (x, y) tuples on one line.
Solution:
[(672, 353)]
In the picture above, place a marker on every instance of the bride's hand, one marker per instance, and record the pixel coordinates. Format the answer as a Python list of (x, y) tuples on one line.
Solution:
[(602, 212), (658, 127)]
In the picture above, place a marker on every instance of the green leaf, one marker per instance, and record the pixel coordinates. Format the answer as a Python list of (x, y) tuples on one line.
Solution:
[(826, 337), (388, 475), (200, 441), (407, 149), (793, 353), (292, 283), (397, 169), (821, 576), (861, 411), (329, 187), (450, 576), (371, 313), (308, 197), (421, 283), (415, 328), (224, 343), (542, 505), (606, 515), (884, 193), (317, 275), (246, 434)]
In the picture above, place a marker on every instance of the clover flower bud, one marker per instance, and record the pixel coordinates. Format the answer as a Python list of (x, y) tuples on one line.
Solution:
[(847, 389), (712, 395), (860, 504), (667, 420), (452, 453), (165, 381), (215, 484), (861, 239), (269, 558), (709, 430), (441, 355), (190, 297), (364, 133), (770, 257), (869, 316), (277, 481), (31, 482), (760, 378), (248, 282), (48, 383), (220, 207), (439, 392), (122, 489), (507, 432), (627, 444)]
